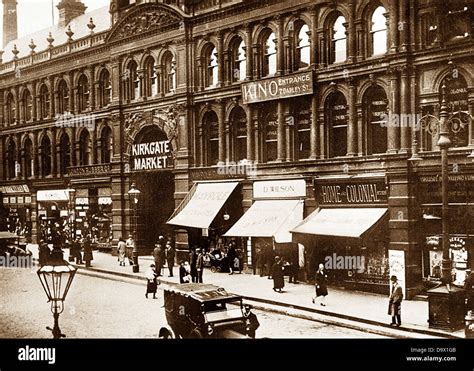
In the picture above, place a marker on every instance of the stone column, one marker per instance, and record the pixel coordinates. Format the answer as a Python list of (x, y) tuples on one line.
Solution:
[(257, 61), (404, 110), (220, 60), (352, 47), (471, 128), (322, 48), (201, 155), (361, 131), (230, 147), (18, 111), (35, 154), (352, 124), (393, 131), (248, 52), (250, 134), (404, 25), (314, 133), (281, 131), (280, 45), (54, 146), (322, 133), (221, 123), (257, 141), (393, 26), (314, 36), (415, 132)]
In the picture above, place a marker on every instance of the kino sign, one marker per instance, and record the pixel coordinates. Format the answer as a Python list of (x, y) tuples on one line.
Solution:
[(151, 155), (278, 88)]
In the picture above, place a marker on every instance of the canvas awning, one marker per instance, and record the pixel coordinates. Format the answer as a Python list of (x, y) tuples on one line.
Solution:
[(344, 222), (205, 202), (53, 195), (269, 218)]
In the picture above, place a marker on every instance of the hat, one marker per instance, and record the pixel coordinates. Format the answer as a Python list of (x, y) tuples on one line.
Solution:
[(393, 278)]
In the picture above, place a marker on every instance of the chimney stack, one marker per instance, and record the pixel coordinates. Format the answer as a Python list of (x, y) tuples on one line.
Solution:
[(10, 21), (68, 10)]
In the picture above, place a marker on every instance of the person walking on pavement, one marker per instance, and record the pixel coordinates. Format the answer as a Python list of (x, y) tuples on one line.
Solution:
[(170, 255), (469, 287), (77, 250), (200, 264), (231, 257), (156, 257), (130, 244), (277, 274), (152, 283), (88, 257), (270, 260), (395, 302), (121, 248), (44, 253), (193, 259), (321, 285)]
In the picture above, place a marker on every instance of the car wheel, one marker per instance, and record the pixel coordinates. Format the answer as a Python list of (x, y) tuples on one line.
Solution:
[(213, 269), (165, 334), (196, 334)]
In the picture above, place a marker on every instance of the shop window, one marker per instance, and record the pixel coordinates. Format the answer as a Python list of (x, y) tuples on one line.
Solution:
[(46, 156), (376, 106), (106, 145), (83, 94), (105, 89), (211, 76), (10, 108), (303, 47), (302, 120), (338, 49), (169, 73), (27, 105), (65, 154), (63, 97), (269, 67), (270, 133), (239, 60), (211, 127), (239, 130), (11, 160), (378, 32), (28, 158), (84, 148), (336, 118), (44, 102)]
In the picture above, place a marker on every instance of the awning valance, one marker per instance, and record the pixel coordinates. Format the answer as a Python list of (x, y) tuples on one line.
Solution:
[(344, 222), (269, 218), (206, 200)]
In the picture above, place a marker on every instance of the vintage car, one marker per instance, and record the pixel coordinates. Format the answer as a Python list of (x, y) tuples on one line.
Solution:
[(10, 244), (206, 311)]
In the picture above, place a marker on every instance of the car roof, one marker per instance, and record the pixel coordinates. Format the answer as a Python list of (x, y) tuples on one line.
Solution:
[(203, 292)]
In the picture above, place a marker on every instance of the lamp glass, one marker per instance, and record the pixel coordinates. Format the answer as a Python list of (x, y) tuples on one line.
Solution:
[(56, 280)]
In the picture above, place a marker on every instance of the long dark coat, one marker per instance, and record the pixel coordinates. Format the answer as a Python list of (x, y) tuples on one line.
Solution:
[(395, 302), (321, 284), (277, 275)]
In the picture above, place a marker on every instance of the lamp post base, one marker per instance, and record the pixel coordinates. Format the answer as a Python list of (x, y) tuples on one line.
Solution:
[(136, 267), (447, 308)]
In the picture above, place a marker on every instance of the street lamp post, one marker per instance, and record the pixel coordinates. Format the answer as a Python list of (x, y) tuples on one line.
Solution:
[(133, 194), (71, 219), (56, 279)]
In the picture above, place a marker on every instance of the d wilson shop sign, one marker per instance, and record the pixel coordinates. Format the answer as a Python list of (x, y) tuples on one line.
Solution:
[(151, 155), (278, 88)]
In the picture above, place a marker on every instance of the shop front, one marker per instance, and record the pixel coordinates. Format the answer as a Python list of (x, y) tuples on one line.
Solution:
[(348, 233), (54, 209), (16, 200)]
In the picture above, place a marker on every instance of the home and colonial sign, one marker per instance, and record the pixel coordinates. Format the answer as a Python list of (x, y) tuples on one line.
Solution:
[(278, 88), (345, 193)]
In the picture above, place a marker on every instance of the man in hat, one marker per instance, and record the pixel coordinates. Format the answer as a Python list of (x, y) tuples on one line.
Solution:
[(395, 303)]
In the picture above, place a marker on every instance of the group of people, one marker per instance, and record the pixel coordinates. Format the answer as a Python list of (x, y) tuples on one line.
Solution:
[(125, 250), (164, 252), (80, 250)]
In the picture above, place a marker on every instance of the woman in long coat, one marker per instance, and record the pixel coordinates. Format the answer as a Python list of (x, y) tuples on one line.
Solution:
[(88, 257), (277, 275), (321, 285), (152, 283), (121, 249)]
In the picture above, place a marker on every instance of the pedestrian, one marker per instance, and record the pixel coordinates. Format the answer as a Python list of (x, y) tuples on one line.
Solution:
[(170, 255), (130, 244), (43, 253), (193, 260), (395, 302), (77, 250), (231, 257), (293, 268), (321, 285), (152, 283), (469, 287), (121, 249), (200, 264), (156, 256), (184, 269), (88, 257), (277, 275), (270, 260), (259, 261)]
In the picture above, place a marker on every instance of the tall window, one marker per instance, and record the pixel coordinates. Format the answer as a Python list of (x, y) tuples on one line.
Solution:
[(239, 130), (338, 41), (84, 148), (28, 157), (151, 82), (44, 102), (303, 48), (65, 159), (376, 106), (10, 106), (83, 93), (378, 32), (239, 60), (211, 127), (169, 73), (302, 122), (105, 88), (457, 99), (106, 145), (63, 95), (11, 159), (27, 105), (336, 118), (269, 67), (46, 156), (133, 81), (212, 67), (269, 120)]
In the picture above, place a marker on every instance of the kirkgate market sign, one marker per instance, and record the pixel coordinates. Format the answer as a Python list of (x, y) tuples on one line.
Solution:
[(151, 155), (278, 88)]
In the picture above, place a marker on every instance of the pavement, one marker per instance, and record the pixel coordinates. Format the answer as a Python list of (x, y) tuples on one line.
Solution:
[(352, 309)]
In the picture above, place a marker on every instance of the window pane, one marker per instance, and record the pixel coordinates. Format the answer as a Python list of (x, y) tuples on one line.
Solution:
[(379, 42), (340, 51)]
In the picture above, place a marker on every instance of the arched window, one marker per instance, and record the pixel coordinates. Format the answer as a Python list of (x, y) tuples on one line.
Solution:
[(238, 123), (106, 145), (133, 81), (239, 60), (151, 82), (378, 32), (376, 111), (105, 88), (28, 157), (211, 129), (211, 77), (302, 124), (11, 159), (10, 106), (303, 47), (63, 95), (46, 156), (84, 148), (269, 67), (336, 119), (44, 102), (169, 73), (65, 154), (83, 93), (27, 105), (338, 41), (269, 124)]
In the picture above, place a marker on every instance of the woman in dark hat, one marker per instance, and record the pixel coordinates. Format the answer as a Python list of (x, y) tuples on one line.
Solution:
[(321, 286), (395, 302), (152, 284), (277, 274)]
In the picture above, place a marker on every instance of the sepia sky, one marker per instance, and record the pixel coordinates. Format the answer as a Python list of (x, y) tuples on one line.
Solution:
[(35, 15)]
